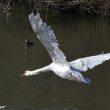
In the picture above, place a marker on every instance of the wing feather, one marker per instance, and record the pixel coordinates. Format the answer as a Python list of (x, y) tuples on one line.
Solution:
[(83, 64), (47, 37)]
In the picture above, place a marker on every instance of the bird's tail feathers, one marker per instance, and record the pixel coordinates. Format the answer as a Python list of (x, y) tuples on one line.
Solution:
[(87, 80), (80, 78)]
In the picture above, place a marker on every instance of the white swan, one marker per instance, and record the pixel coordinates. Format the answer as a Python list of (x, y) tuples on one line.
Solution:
[(67, 70)]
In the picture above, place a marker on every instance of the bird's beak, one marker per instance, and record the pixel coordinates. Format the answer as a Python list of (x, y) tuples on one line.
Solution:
[(24, 74)]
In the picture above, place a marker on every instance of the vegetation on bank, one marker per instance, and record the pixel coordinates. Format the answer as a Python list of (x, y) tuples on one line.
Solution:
[(83, 7)]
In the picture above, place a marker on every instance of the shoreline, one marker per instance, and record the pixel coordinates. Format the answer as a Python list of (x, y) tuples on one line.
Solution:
[(77, 7)]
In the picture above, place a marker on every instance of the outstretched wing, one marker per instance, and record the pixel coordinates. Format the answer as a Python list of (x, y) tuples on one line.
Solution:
[(47, 37), (83, 64)]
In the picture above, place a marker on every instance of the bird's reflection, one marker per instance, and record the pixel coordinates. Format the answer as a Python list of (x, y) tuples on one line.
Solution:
[(27, 45)]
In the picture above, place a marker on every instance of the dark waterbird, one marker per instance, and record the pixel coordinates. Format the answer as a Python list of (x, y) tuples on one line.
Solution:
[(28, 43)]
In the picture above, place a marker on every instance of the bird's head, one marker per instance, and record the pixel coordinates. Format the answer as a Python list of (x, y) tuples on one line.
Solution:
[(26, 40), (27, 73)]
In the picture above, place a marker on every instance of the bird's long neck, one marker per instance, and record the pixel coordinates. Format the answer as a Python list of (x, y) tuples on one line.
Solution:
[(38, 71), (46, 68)]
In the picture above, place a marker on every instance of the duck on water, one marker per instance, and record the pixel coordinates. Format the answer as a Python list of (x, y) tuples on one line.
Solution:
[(28, 43), (60, 66)]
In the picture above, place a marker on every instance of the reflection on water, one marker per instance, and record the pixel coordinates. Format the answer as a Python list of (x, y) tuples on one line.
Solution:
[(78, 37)]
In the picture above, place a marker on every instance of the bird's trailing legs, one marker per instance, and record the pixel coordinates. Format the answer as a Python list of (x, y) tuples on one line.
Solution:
[(37, 71)]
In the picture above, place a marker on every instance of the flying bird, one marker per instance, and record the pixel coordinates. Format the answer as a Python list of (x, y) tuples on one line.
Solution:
[(60, 66)]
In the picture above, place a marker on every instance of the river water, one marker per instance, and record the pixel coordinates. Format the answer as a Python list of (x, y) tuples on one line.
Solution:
[(78, 37)]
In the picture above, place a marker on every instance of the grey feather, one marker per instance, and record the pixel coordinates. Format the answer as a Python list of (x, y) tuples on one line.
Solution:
[(83, 64), (47, 37)]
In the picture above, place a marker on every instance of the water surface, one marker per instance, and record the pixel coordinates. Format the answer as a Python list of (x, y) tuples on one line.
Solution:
[(78, 37)]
